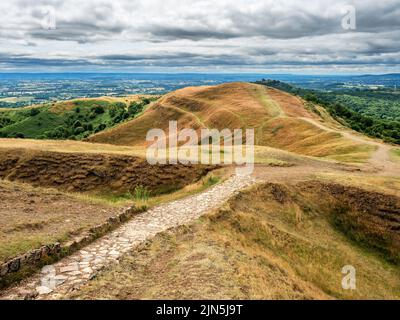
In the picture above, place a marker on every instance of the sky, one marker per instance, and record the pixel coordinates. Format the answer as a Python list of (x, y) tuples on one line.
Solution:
[(275, 36)]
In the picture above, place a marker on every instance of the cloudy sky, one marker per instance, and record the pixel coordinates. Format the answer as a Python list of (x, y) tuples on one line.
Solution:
[(302, 36)]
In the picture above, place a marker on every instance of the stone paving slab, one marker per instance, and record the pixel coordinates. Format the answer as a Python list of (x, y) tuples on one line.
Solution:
[(73, 271)]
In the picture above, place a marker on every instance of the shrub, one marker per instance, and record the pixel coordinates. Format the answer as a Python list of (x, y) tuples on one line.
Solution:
[(210, 181), (141, 193), (135, 108), (98, 109), (100, 127), (33, 112), (77, 124), (79, 130)]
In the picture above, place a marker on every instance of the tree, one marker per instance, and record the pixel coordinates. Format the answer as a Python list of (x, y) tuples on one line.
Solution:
[(77, 124), (34, 111), (135, 108), (79, 130), (100, 127), (98, 109)]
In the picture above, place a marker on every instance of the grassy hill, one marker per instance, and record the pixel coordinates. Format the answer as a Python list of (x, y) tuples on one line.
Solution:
[(273, 241), (280, 120), (375, 113), (287, 236), (74, 119)]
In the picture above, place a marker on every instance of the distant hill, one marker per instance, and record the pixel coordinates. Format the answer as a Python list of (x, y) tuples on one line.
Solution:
[(280, 120), (73, 119)]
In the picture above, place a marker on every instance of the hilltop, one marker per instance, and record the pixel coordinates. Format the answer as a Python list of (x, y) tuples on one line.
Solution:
[(280, 120)]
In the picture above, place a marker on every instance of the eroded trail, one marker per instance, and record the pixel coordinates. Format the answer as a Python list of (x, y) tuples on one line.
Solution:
[(380, 159), (71, 272)]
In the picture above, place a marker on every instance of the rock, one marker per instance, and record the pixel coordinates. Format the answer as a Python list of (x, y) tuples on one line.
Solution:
[(69, 268), (14, 265), (48, 270), (3, 270), (87, 270), (36, 254), (43, 290)]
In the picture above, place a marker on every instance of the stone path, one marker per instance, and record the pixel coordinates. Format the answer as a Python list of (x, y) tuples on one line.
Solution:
[(73, 271)]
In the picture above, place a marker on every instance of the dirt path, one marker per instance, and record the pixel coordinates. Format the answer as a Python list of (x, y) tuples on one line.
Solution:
[(71, 272), (380, 159)]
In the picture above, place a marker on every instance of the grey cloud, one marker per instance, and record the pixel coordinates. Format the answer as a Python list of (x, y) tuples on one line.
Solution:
[(172, 33), (196, 34)]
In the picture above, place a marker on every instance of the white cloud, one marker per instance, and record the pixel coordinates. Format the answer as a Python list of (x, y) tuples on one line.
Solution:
[(204, 34)]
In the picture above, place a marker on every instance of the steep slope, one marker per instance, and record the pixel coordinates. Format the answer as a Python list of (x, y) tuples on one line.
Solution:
[(98, 173), (279, 119), (72, 119), (273, 241)]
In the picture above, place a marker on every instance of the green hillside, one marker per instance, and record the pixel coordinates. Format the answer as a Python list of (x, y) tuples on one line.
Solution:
[(76, 119)]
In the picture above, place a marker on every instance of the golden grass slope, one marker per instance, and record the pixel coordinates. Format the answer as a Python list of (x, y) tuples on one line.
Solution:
[(277, 117), (274, 241)]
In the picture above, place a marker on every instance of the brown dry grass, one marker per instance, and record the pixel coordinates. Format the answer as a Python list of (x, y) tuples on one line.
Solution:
[(299, 136), (35, 216), (70, 146), (291, 106), (271, 242), (31, 217), (383, 184), (263, 155), (395, 154), (274, 115), (100, 173)]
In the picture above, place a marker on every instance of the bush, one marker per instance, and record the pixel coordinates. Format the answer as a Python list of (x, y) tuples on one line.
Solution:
[(4, 121), (210, 181), (79, 130), (34, 111), (100, 127), (135, 108), (77, 124), (98, 109), (88, 127), (141, 193)]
